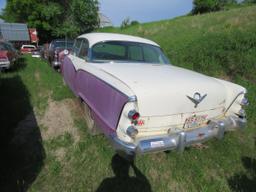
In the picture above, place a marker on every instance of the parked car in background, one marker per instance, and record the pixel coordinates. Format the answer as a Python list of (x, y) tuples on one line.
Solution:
[(141, 102), (8, 55), (37, 52), (44, 50), (55, 48), (27, 49)]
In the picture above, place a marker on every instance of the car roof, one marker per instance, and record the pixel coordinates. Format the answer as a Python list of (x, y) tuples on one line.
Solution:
[(28, 46), (62, 40), (94, 38)]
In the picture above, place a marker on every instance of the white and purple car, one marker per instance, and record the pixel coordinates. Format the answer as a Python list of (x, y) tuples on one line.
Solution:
[(144, 104)]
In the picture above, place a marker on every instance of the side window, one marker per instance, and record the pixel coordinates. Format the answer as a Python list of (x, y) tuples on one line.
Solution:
[(150, 55), (135, 53), (84, 49), (77, 46)]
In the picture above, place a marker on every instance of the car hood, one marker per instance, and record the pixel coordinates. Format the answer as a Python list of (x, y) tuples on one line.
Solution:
[(165, 89)]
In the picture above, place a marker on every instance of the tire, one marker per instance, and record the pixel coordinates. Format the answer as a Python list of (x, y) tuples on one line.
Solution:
[(91, 126)]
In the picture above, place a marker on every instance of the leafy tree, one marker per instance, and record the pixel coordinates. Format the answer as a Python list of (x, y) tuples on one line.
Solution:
[(85, 14), (204, 6), (54, 18), (249, 1)]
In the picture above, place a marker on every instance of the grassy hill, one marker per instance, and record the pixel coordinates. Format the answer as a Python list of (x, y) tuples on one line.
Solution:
[(46, 146), (220, 42)]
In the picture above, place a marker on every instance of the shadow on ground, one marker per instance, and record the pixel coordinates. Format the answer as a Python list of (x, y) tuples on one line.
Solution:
[(245, 182), (122, 182), (22, 153)]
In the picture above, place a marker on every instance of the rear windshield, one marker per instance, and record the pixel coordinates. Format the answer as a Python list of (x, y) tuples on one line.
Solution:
[(127, 52)]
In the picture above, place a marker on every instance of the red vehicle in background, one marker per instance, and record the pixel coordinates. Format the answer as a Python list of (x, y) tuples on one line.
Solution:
[(8, 55), (27, 49)]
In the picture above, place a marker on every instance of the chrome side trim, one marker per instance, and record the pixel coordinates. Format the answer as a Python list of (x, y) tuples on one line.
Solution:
[(234, 101), (132, 98)]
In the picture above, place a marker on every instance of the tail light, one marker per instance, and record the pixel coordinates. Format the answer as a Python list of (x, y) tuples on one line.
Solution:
[(132, 131), (244, 102), (133, 115), (241, 113)]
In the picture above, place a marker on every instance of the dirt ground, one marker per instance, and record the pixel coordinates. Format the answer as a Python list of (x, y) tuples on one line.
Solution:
[(58, 119)]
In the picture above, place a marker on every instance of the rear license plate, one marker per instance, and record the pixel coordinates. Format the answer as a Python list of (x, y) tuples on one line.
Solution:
[(156, 144), (194, 121)]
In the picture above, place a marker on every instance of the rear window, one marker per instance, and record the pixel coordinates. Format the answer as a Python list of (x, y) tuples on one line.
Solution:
[(127, 52)]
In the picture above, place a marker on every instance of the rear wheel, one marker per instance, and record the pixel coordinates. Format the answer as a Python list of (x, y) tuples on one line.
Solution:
[(91, 126)]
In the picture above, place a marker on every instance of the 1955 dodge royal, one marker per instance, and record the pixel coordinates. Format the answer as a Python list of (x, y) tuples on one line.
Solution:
[(142, 103)]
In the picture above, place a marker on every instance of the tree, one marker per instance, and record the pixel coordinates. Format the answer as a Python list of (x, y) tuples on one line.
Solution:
[(54, 18), (204, 6), (249, 1), (125, 23)]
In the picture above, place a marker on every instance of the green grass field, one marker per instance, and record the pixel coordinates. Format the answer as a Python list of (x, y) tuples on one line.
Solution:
[(51, 149)]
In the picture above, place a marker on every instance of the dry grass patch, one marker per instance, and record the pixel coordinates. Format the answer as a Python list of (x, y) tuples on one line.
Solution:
[(59, 120)]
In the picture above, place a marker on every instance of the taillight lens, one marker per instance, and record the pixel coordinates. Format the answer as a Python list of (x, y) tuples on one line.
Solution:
[(133, 115), (244, 102)]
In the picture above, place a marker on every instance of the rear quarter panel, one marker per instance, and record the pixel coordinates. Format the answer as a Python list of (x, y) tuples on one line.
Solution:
[(105, 101)]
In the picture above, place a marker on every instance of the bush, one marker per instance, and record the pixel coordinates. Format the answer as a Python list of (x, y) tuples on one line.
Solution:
[(134, 23), (204, 6)]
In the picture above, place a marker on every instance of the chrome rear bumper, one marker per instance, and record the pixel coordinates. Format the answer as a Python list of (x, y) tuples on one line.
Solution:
[(178, 141), (5, 64)]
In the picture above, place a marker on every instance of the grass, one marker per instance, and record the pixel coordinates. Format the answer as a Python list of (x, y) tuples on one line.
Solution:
[(220, 44)]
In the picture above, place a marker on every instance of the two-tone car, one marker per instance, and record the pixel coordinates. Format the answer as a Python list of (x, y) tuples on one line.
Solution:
[(142, 103), (55, 48)]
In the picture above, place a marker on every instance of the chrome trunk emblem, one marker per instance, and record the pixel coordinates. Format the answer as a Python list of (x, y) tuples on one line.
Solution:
[(197, 98)]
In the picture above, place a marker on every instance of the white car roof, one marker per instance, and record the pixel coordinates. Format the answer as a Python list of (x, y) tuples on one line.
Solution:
[(94, 38)]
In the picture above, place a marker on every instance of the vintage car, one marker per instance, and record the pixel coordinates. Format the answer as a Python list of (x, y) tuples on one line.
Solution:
[(27, 49), (8, 55), (37, 52), (141, 102), (55, 48)]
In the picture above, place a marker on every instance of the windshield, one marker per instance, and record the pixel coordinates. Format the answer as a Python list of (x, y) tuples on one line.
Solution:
[(63, 44), (127, 52)]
